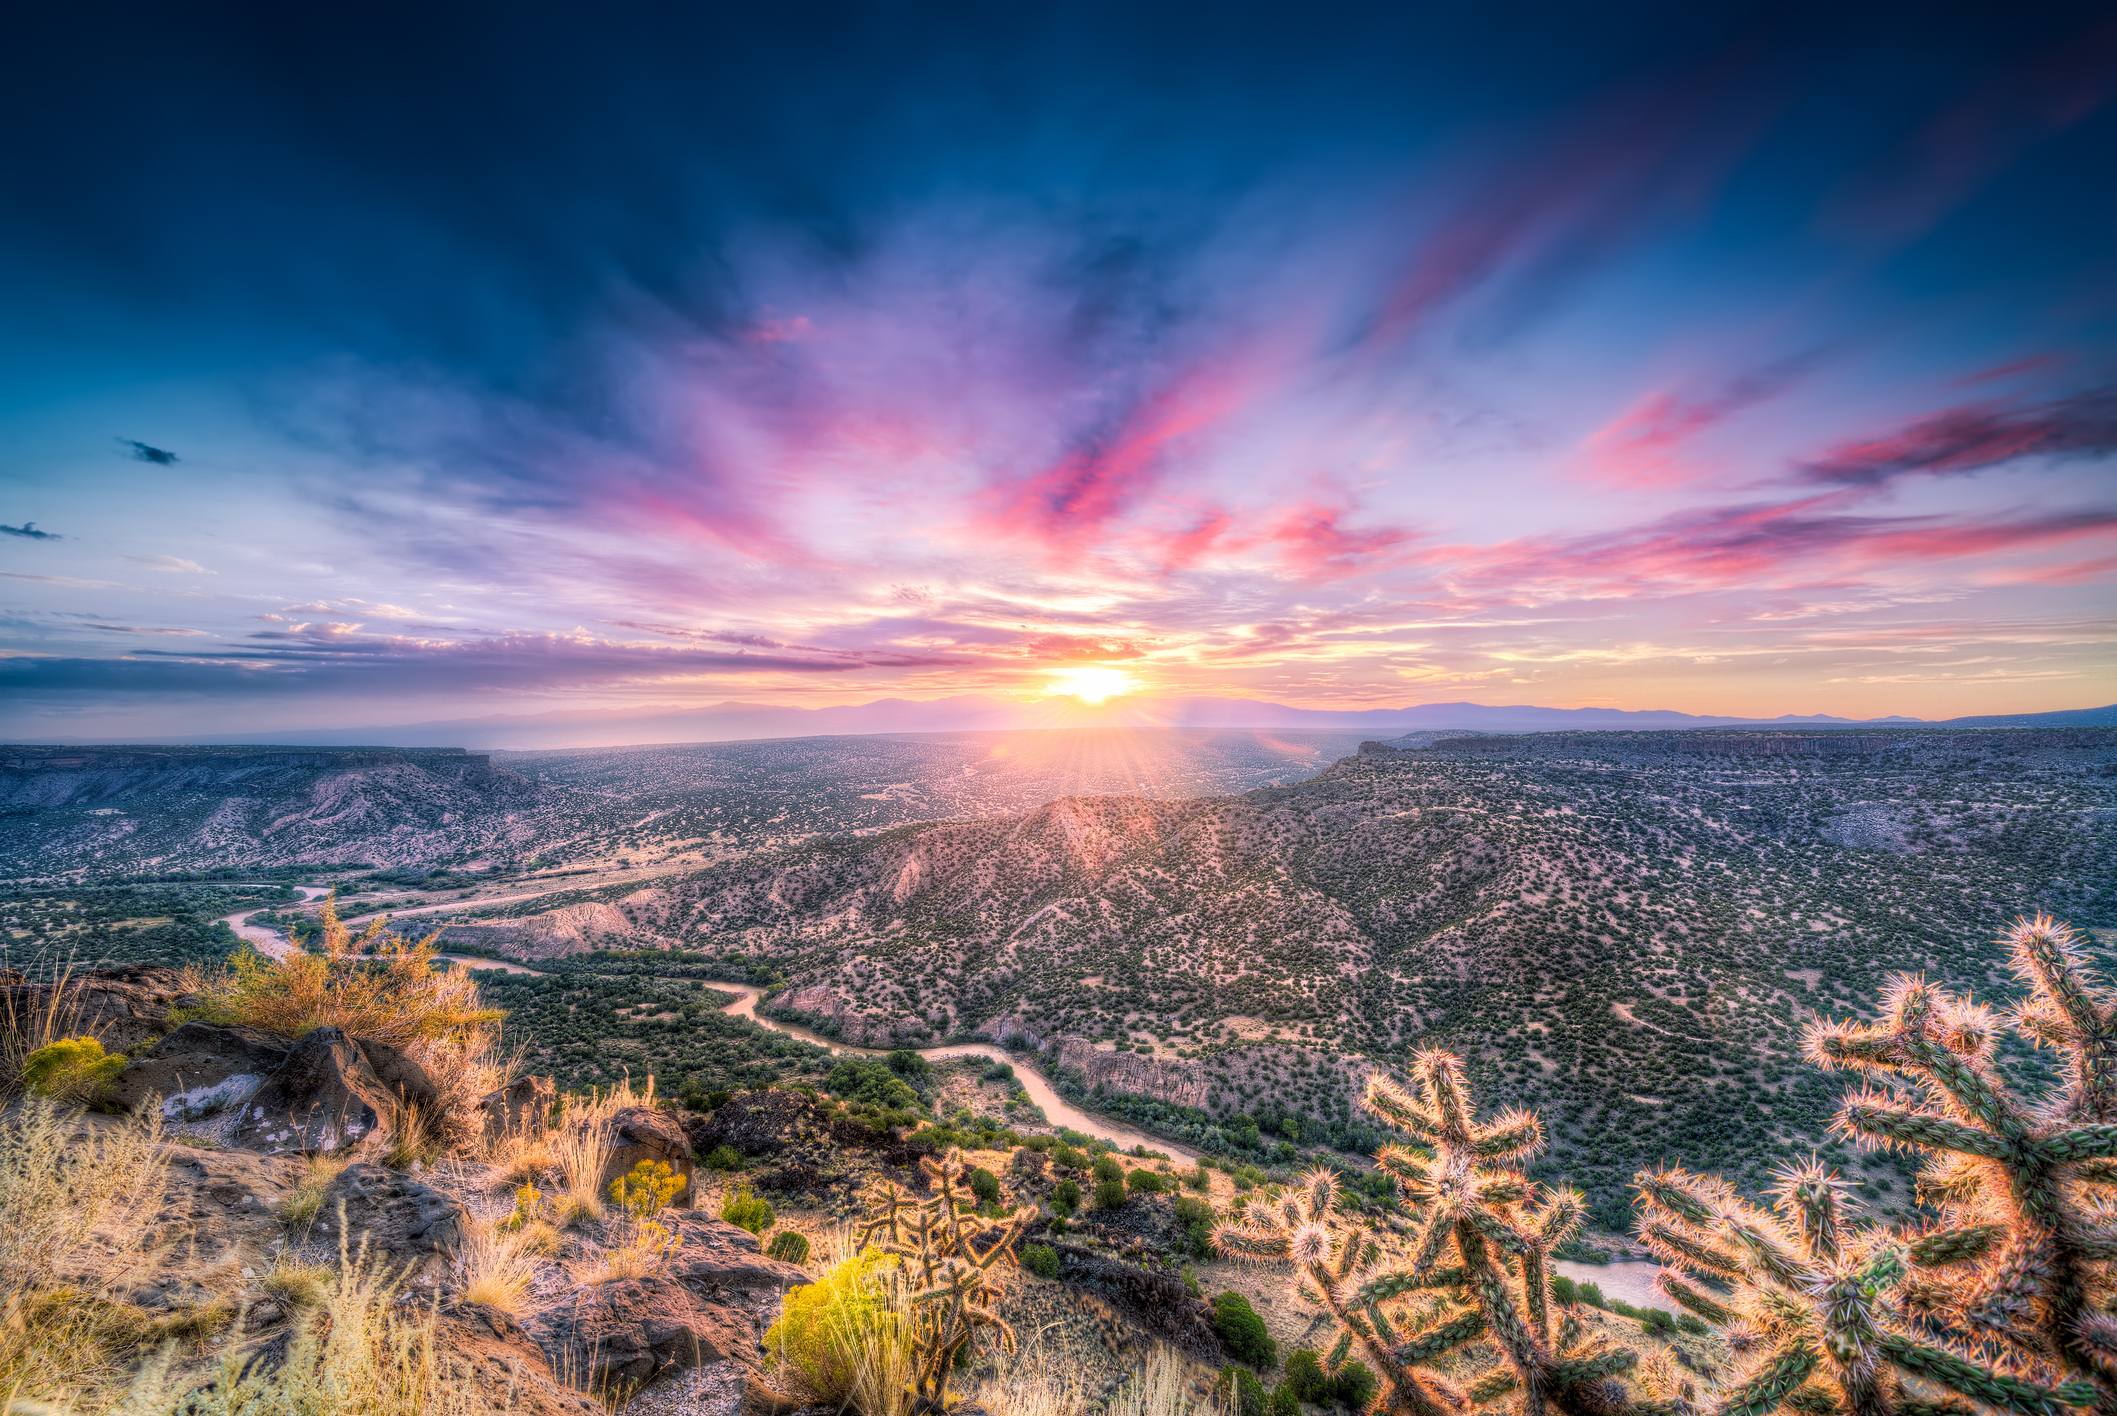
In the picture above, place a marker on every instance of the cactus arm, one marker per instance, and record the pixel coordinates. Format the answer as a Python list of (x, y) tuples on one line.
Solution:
[(1436, 1341), (2080, 1143), (1493, 1385), (1954, 1246), (1677, 1291), (1872, 1118), (1516, 1133), (1672, 1245), (1778, 1379), (1982, 1384), (1577, 1370)]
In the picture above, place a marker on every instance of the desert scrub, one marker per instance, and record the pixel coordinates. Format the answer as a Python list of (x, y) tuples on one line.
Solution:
[(300, 1284), (71, 1070), (581, 1152), (746, 1211), (63, 1325), (362, 1354), (378, 985), (834, 1334), (789, 1246)]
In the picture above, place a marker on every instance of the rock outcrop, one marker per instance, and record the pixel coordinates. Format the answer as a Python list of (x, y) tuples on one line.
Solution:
[(324, 1097), (521, 1108), (619, 1336), (640, 1134), (124, 1006), (391, 1213), (202, 1069)]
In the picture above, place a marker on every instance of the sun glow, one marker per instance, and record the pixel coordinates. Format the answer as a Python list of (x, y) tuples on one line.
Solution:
[(1092, 685)]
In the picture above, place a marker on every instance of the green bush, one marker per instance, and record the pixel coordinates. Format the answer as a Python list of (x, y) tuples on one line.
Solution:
[(745, 1211), (1108, 1168), (1564, 1291), (1244, 1332), (1041, 1260), (1307, 1380), (1110, 1194), (1058, 1227), (1281, 1403), (789, 1246), (1066, 1193), (1192, 1211), (722, 1158), (1357, 1385), (869, 1083), (825, 1325), (1066, 1157), (73, 1069), (1144, 1182), (1198, 1179), (985, 1185), (1240, 1392)]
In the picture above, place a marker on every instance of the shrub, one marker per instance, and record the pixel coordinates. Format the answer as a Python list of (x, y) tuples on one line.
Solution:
[(866, 1082), (789, 1246), (1110, 1194), (745, 1211), (1306, 1379), (1058, 1227), (1066, 1193), (1144, 1182), (1066, 1157), (722, 1158), (73, 1069), (1244, 1332), (1041, 1260), (985, 1185), (1198, 1179), (1240, 1392), (1356, 1385), (829, 1330), (1108, 1168), (1281, 1403), (650, 1185), (1564, 1291)]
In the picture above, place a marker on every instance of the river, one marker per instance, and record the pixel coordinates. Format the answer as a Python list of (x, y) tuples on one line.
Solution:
[(1057, 1110)]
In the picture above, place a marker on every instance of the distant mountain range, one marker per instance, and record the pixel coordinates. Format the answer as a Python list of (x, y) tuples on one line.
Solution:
[(735, 722)]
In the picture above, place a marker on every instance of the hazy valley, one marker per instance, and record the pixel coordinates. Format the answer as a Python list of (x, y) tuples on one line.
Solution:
[(1626, 930)]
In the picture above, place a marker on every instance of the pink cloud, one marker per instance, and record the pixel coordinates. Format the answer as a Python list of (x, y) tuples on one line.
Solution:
[(1973, 437)]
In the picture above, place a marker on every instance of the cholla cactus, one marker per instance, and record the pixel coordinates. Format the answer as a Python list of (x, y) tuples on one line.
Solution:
[(2015, 1263), (954, 1263), (1486, 1217), (1810, 1311)]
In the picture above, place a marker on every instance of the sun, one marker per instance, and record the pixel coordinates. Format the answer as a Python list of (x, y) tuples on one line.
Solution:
[(1092, 685)]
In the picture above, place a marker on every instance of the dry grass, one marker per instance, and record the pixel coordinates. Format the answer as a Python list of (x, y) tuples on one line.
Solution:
[(29, 1023), (519, 1160), (645, 1250), (413, 1136), (381, 1359), (1158, 1389), (492, 1266), (581, 1151), (72, 1211), (303, 1285), (307, 1199), (1027, 1382)]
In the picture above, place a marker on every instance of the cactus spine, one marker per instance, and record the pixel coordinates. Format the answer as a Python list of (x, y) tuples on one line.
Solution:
[(1481, 1213), (2024, 1241)]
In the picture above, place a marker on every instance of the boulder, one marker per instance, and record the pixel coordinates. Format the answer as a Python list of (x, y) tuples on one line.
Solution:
[(521, 1108), (324, 1097), (1029, 1164), (124, 1006), (400, 1075), (619, 1336), (719, 1262), (760, 1123), (202, 1069), (640, 1133), (392, 1214), (487, 1350)]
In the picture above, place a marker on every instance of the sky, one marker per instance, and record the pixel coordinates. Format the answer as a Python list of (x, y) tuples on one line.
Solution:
[(403, 362)]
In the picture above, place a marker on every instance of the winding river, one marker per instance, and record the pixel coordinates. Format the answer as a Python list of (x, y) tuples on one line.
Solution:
[(1057, 1110)]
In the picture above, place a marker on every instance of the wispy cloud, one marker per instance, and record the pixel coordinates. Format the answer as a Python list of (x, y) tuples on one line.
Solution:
[(28, 531)]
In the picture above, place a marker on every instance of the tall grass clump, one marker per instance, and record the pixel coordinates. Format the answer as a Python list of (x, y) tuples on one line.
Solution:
[(62, 1196), (33, 1019), (493, 1265), (363, 1353)]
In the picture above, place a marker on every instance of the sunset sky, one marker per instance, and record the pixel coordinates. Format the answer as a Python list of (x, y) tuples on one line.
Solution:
[(378, 364)]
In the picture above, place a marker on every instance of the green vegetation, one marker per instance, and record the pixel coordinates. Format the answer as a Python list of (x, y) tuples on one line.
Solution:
[(789, 1246), (746, 1211), (72, 1069), (589, 1030), (1244, 1332), (1836, 1312), (1041, 1260), (92, 926), (832, 1333)]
